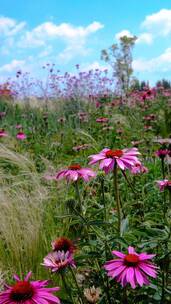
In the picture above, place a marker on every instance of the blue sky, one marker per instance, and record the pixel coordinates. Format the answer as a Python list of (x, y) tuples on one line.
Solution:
[(74, 31)]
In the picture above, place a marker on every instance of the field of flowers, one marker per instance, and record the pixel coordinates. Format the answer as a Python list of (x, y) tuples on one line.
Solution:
[(85, 193)]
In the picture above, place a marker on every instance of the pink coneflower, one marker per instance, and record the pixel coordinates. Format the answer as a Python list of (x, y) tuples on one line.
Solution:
[(125, 159), (32, 292), (161, 153), (63, 244), (81, 147), (18, 126), (75, 172), (58, 260), (138, 169), (21, 136), (164, 184), (3, 133), (2, 114), (102, 120), (131, 268)]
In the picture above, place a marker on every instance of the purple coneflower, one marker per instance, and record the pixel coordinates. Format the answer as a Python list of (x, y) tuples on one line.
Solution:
[(3, 133), (138, 168), (164, 184), (75, 172), (125, 159), (58, 260), (21, 136), (131, 268), (32, 292)]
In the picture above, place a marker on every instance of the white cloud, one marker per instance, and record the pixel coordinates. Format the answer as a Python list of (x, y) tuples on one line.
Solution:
[(12, 66), (10, 27), (158, 23), (123, 33), (145, 38), (95, 65), (162, 63), (64, 31)]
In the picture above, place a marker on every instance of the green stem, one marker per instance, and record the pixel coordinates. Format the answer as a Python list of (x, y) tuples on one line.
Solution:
[(163, 288), (103, 199), (81, 297), (116, 189), (162, 166), (67, 289), (77, 192)]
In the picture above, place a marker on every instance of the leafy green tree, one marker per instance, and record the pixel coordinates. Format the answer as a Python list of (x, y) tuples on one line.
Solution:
[(119, 56)]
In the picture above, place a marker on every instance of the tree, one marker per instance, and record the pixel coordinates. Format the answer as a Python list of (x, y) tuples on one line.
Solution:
[(120, 59)]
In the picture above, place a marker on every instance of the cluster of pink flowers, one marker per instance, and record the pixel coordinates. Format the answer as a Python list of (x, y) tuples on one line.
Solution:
[(19, 136), (131, 268)]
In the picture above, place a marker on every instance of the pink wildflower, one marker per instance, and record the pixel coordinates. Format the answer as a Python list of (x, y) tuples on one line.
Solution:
[(21, 136), (164, 184), (18, 126), (138, 169), (161, 153), (3, 133), (59, 260), (75, 172), (102, 120), (125, 159), (29, 292), (131, 268)]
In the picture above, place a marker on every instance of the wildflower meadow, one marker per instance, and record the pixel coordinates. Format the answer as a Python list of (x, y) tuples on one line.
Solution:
[(85, 183), (86, 198)]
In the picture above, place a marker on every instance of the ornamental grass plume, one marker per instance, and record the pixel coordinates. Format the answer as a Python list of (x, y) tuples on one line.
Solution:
[(75, 172), (29, 292), (59, 260), (131, 268), (125, 159)]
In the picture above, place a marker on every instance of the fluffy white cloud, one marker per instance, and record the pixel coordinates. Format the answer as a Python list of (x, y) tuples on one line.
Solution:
[(10, 27), (162, 63), (65, 31), (12, 66), (95, 65), (158, 23), (145, 38)]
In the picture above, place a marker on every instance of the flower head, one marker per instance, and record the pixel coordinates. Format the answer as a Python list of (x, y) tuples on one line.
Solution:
[(92, 294), (164, 184), (138, 169), (28, 292), (75, 172), (125, 159), (58, 260), (21, 136), (102, 120), (3, 133), (63, 244), (161, 153), (131, 268)]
